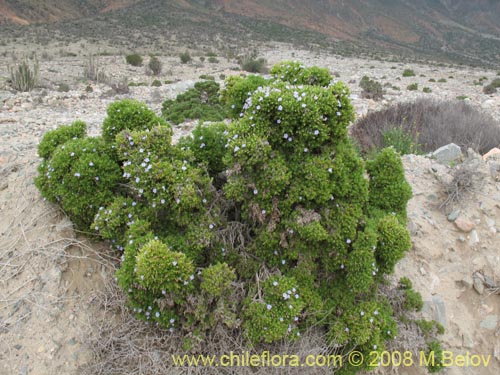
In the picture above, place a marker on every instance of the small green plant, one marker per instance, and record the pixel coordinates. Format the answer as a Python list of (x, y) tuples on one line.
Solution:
[(134, 59), (185, 57), (156, 83), (213, 60), (403, 142), (408, 73), (23, 76), (155, 65), (435, 353), (442, 80), (412, 87), (462, 97), (432, 80), (413, 300), (89, 89), (427, 90)]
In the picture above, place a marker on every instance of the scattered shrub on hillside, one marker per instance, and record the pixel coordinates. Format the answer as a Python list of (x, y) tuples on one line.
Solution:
[(408, 73), (201, 102), (156, 83), (412, 87), (213, 60), (185, 57), (492, 87), (155, 65), (134, 59), (432, 80), (24, 77), (431, 124), (402, 141), (442, 80), (371, 89), (427, 90), (254, 65)]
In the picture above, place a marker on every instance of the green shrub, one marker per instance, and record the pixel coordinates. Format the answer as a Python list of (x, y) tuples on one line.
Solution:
[(427, 90), (23, 77), (412, 87), (432, 80), (63, 87), (156, 83), (371, 89), (268, 229), (128, 114), (254, 65), (401, 141), (134, 59), (442, 80), (207, 77), (185, 57), (389, 190), (435, 348), (54, 138), (155, 65), (213, 60), (412, 299), (201, 102), (207, 144), (81, 175), (408, 73), (297, 74), (462, 97), (238, 90)]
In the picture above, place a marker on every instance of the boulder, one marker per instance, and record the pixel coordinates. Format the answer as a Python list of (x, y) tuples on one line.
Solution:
[(447, 154)]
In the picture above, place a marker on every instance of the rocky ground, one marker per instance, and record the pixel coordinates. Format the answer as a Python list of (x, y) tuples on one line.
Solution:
[(49, 273)]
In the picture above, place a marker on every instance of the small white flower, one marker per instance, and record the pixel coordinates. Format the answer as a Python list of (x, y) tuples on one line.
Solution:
[(255, 192), (330, 170), (283, 261), (91, 164), (269, 307), (172, 321), (280, 108), (77, 174), (72, 154), (174, 263), (157, 314), (275, 283), (202, 145), (316, 132), (306, 150), (348, 241), (263, 212), (183, 168), (236, 149), (285, 135), (304, 105), (211, 226), (280, 99), (137, 179), (362, 313)]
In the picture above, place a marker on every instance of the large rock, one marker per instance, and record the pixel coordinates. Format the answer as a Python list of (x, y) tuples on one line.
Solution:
[(447, 154), (489, 323)]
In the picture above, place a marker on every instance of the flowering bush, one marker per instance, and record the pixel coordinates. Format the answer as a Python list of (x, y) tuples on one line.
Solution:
[(81, 175), (266, 226)]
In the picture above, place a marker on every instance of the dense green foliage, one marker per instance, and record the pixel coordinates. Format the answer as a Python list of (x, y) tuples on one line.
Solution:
[(237, 91), (266, 226), (408, 73), (201, 102), (128, 114), (54, 138)]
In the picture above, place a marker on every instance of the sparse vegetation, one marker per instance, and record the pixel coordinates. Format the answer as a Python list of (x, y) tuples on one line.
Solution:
[(427, 90), (492, 87), (254, 65), (156, 83), (24, 77), (430, 124)]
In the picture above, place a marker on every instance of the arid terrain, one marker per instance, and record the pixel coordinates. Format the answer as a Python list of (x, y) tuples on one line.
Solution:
[(52, 278)]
